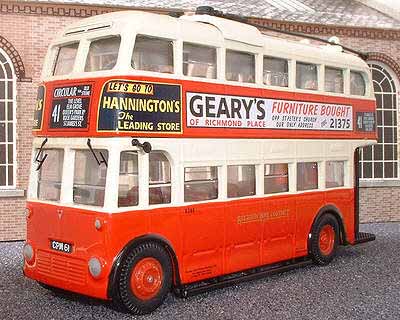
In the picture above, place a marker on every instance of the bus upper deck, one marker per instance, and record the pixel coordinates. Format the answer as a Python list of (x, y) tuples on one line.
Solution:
[(142, 74)]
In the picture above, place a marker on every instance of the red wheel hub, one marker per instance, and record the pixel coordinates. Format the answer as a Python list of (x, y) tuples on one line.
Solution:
[(146, 278), (326, 239)]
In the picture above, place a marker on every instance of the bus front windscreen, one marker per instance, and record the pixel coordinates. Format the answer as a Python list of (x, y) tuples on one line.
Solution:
[(50, 174), (89, 178)]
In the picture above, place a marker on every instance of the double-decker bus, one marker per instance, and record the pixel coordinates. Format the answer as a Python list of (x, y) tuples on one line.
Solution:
[(189, 153)]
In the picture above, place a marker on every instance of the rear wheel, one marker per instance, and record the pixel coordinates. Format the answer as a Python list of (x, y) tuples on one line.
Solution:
[(144, 279), (324, 239)]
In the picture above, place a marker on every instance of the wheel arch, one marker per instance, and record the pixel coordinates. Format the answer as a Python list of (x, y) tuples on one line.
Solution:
[(333, 210), (176, 280)]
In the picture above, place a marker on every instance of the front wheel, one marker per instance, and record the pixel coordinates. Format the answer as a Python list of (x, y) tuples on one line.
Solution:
[(324, 239), (145, 278)]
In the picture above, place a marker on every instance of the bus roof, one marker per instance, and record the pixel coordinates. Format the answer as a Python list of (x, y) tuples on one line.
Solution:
[(206, 29)]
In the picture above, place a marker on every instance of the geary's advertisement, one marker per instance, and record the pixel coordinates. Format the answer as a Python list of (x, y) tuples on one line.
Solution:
[(228, 111)]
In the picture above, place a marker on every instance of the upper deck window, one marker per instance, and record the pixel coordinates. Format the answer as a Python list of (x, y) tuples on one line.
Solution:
[(153, 54), (199, 61), (89, 178), (306, 76), (357, 83), (103, 54), (240, 66), (334, 80), (49, 179), (65, 59), (275, 72)]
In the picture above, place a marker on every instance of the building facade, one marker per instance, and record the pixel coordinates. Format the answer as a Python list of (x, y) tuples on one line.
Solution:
[(27, 28)]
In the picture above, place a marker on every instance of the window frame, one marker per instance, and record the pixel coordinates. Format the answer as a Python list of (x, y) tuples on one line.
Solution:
[(345, 173), (216, 181), (174, 54), (365, 81), (256, 180), (217, 67), (57, 49), (13, 100), (318, 73), (276, 176), (343, 71), (255, 60), (87, 51), (160, 185), (264, 56), (319, 176)]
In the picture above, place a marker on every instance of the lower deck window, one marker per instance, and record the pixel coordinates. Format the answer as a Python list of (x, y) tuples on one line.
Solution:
[(241, 181), (307, 176), (159, 178), (334, 174), (201, 183), (89, 177), (50, 174), (128, 188), (276, 178)]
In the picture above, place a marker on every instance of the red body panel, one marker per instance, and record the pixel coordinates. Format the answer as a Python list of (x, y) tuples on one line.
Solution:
[(209, 239)]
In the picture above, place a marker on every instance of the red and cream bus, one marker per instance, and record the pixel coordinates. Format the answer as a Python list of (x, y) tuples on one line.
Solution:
[(188, 153)]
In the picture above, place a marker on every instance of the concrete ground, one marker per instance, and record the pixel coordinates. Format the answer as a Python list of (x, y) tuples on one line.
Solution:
[(363, 282)]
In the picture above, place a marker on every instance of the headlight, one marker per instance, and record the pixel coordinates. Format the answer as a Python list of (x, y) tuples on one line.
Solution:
[(28, 253), (95, 267), (28, 212), (97, 224)]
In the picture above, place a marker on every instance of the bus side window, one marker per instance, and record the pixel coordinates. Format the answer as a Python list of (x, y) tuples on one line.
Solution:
[(240, 66), (241, 181), (276, 178), (199, 61), (159, 178), (128, 188), (275, 72), (89, 178), (65, 59), (306, 76), (102, 54), (307, 176), (357, 83), (334, 174), (334, 80), (153, 54), (201, 183)]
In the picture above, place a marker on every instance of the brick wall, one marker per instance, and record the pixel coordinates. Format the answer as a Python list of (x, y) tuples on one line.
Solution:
[(29, 28), (379, 204), (30, 35)]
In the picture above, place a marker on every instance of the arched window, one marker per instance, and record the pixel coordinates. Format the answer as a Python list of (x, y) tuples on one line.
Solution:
[(380, 161), (7, 122)]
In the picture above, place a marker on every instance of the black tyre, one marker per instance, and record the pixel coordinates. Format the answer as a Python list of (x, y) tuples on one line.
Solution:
[(144, 278), (324, 239)]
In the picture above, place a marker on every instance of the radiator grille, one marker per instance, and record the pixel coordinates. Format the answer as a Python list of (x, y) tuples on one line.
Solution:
[(66, 269)]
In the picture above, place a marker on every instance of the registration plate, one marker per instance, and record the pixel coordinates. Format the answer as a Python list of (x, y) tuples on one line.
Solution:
[(61, 246)]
